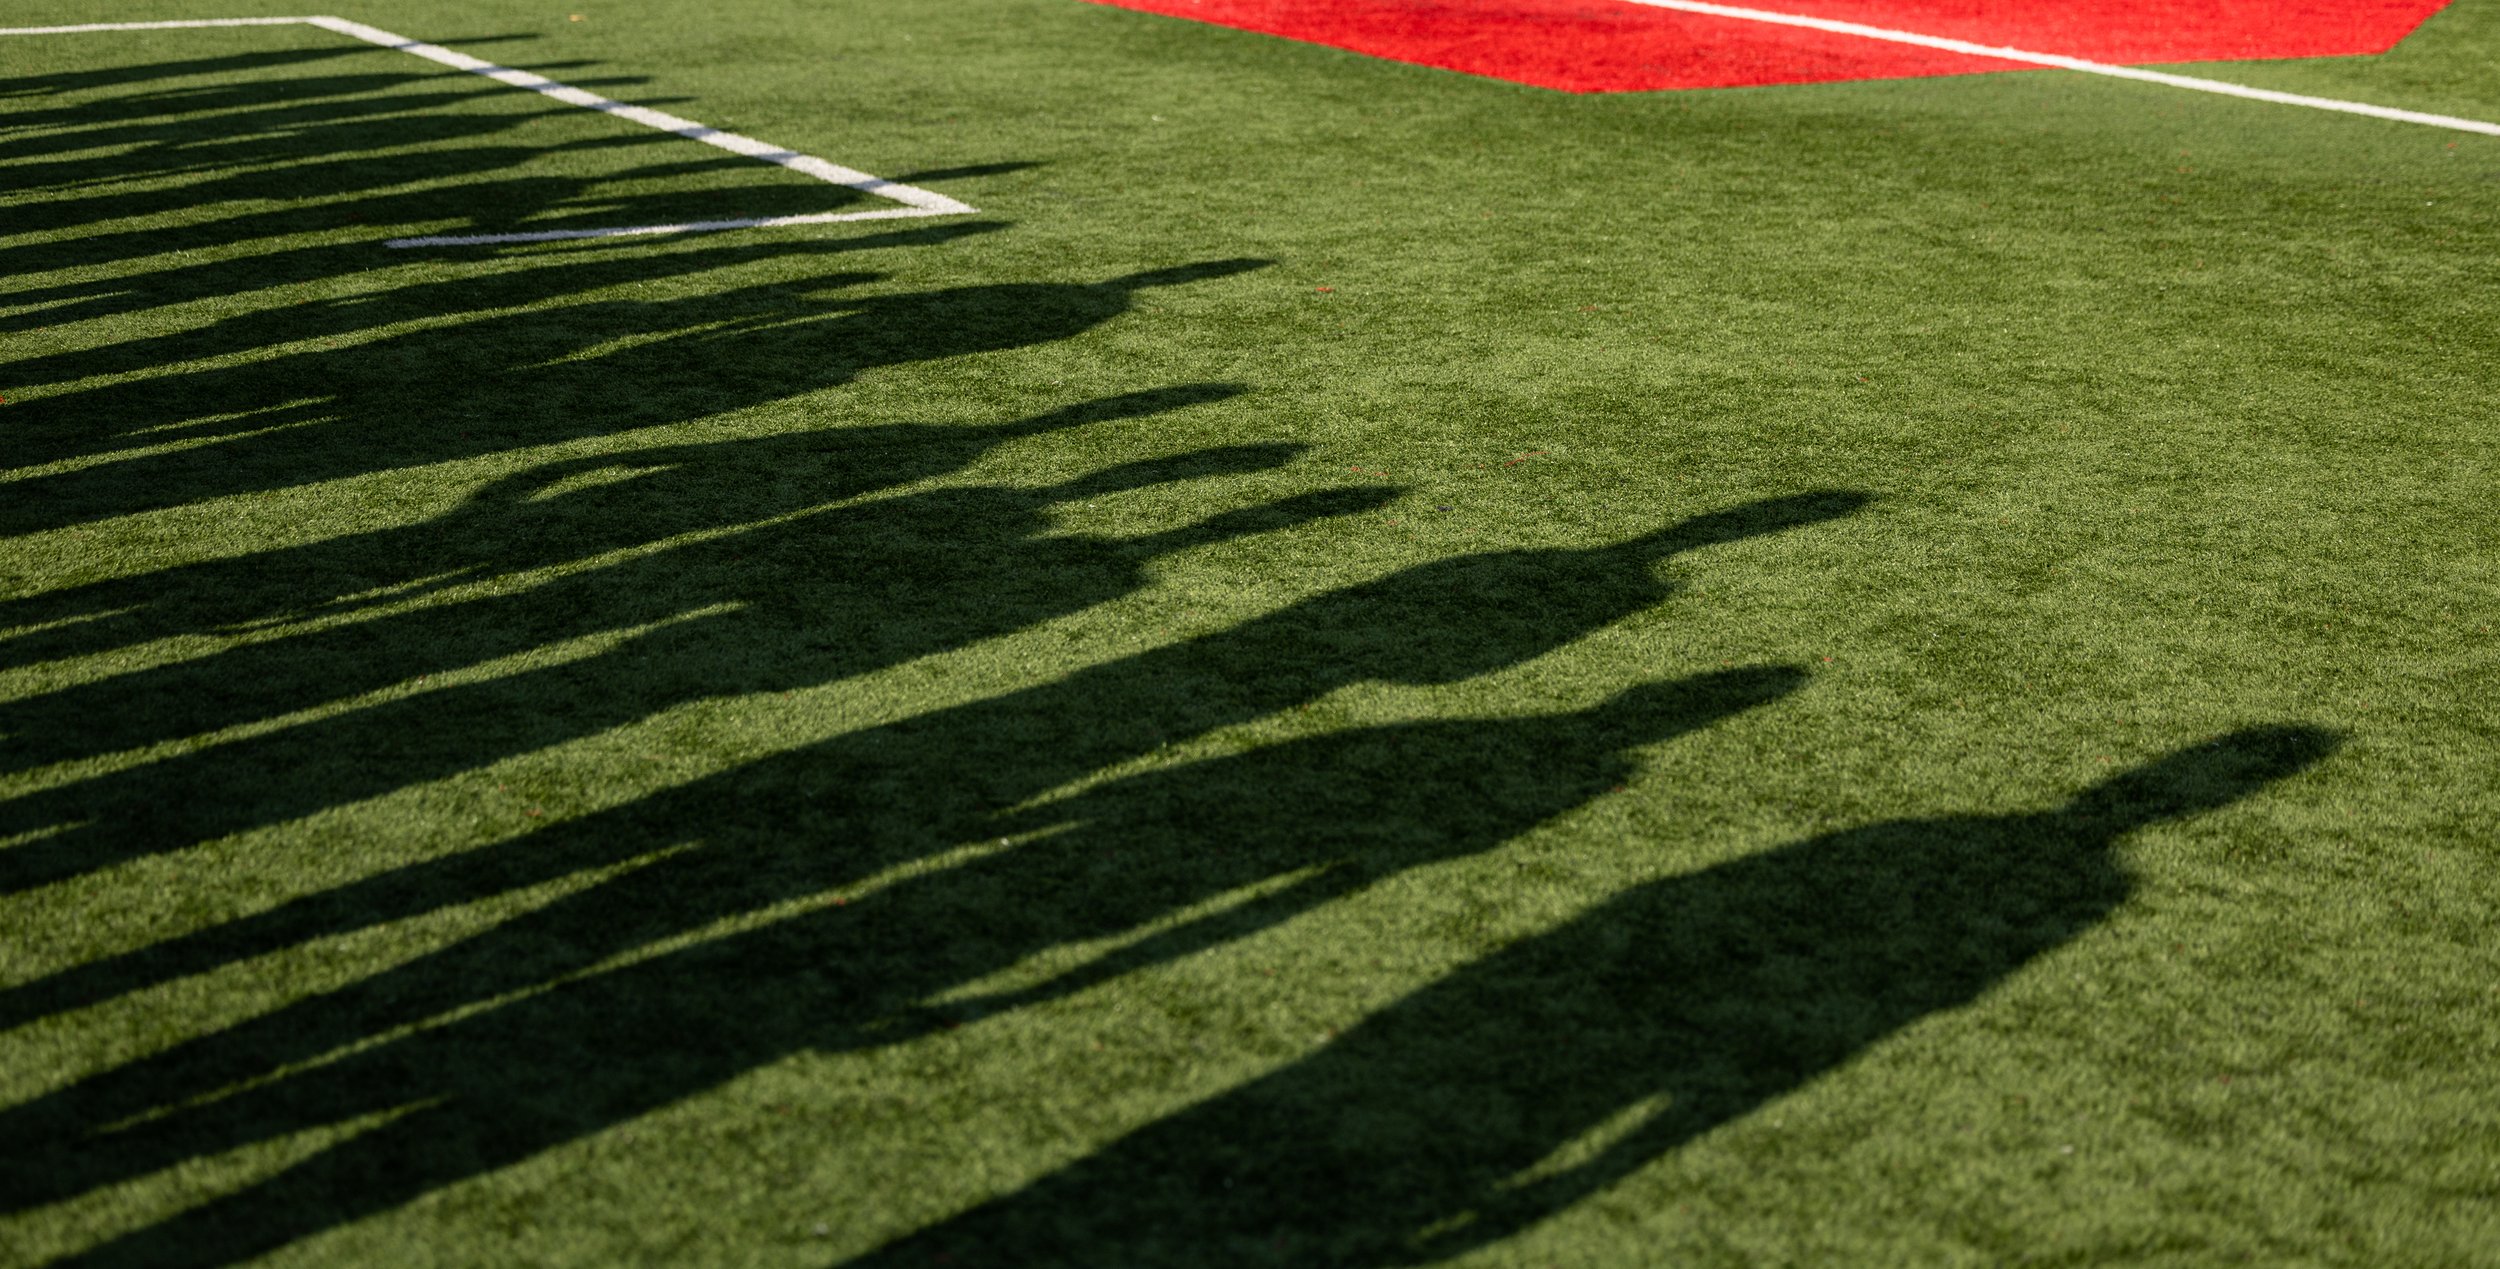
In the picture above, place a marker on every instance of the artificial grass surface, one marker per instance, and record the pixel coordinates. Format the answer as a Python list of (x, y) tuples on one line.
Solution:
[(1367, 667)]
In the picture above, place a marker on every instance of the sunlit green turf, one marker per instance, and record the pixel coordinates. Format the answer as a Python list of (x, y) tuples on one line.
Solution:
[(1364, 667)]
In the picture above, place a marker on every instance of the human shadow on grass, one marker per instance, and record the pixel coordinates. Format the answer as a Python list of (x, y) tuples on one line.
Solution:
[(372, 191), (88, 295), (351, 162), (791, 604), (249, 66), (828, 814), (541, 283), (375, 154), (241, 116), (455, 189), (1450, 619), (529, 521), (1324, 815), (1521, 1084), (750, 522), (106, 146), (250, 111), (247, 70), (516, 380)]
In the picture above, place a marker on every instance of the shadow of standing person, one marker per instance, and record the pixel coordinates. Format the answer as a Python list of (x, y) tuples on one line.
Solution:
[(1451, 619), (495, 1087), (918, 786), (807, 821), (544, 517), (793, 603), (1429, 1130), (518, 380)]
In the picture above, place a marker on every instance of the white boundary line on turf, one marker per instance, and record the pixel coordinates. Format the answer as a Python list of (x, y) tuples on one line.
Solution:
[(2061, 62), (915, 200)]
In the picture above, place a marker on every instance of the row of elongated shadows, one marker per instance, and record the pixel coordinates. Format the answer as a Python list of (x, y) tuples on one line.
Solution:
[(761, 561)]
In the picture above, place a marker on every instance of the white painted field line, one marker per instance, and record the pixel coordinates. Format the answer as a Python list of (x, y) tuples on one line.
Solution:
[(928, 203), (915, 200), (2061, 62)]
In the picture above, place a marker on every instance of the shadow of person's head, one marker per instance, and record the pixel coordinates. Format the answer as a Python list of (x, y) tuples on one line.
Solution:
[(1759, 518), (2200, 778), (1178, 275)]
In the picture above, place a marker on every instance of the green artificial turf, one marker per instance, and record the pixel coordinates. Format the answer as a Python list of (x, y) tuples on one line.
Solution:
[(1364, 667)]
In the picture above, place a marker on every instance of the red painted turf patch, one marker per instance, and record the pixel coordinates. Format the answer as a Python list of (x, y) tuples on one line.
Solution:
[(1611, 46)]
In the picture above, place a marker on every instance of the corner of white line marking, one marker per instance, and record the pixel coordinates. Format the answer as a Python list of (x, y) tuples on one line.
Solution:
[(913, 200)]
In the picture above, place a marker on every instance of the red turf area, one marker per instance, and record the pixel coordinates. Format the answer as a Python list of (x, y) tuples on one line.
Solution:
[(1612, 46)]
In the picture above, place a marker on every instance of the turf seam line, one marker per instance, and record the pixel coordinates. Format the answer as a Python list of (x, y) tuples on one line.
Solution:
[(2062, 62), (915, 200)]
